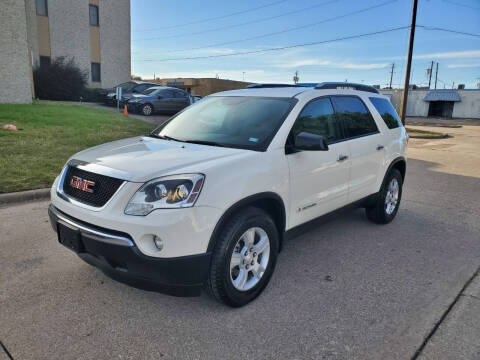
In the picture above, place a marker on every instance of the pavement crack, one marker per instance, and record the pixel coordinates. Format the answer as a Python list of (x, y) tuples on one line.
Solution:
[(472, 296), (6, 350), (444, 315)]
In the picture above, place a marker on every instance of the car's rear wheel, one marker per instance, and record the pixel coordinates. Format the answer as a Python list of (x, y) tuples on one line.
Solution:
[(388, 201), (147, 110), (244, 257)]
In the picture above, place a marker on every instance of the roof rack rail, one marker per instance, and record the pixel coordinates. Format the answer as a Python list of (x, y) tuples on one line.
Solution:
[(260, 86), (346, 85)]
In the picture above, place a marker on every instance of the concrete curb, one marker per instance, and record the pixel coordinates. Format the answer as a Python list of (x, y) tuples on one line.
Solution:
[(24, 196)]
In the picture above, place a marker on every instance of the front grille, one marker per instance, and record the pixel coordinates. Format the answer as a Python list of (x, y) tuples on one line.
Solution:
[(103, 190)]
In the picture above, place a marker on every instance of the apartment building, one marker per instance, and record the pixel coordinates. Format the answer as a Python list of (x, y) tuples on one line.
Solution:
[(95, 33)]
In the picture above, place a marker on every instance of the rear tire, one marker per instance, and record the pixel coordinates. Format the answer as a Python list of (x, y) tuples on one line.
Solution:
[(388, 202), (244, 257)]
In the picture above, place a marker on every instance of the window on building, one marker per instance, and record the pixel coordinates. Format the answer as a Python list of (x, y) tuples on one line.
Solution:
[(44, 61), (386, 111), (93, 13), (95, 72), (317, 117), (42, 8), (356, 118)]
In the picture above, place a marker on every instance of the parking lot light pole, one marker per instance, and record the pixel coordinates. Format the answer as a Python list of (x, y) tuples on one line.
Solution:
[(409, 61)]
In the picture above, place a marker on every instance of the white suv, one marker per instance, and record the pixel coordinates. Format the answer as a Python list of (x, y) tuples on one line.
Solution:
[(207, 198)]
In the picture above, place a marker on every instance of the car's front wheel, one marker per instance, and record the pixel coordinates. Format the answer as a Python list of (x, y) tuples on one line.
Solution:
[(244, 257), (388, 201), (147, 110)]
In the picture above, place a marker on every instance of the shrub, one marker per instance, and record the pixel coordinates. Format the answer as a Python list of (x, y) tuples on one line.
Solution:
[(62, 79), (93, 95)]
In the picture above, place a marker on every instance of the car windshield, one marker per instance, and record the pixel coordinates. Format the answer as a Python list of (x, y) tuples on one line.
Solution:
[(239, 122), (152, 91), (127, 85)]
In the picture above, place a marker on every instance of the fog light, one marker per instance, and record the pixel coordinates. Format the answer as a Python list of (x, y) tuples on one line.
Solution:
[(158, 242)]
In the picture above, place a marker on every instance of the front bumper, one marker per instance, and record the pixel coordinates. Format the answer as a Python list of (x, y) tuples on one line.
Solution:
[(117, 256), (133, 107)]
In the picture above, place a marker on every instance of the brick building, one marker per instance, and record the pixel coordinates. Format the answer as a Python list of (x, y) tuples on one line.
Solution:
[(95, 33)]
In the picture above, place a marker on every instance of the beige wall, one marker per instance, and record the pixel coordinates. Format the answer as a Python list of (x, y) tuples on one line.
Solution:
[(115, 42), (95, 44), (469, 107), (15, 70), (43, 36)]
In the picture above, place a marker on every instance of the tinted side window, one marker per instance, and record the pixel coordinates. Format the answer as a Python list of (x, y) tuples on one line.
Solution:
[(168, 94), (141, 88), (317, 117), (387, 112), (356, 118), (180, 94)]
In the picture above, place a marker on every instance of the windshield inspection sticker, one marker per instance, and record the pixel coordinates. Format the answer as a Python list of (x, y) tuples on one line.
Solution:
[(252, 139)]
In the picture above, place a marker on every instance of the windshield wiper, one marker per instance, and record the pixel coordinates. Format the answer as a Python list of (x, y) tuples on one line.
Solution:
[(205, 142), (164, 137), (200, 142)]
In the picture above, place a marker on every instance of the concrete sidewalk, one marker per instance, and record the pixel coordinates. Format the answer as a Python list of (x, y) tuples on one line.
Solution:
[(456, 337)]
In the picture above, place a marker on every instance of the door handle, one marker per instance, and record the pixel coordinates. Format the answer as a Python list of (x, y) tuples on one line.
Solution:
[(342, 157), (380, 147)]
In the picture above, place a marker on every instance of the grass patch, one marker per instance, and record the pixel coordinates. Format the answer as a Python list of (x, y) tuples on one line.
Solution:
[(31, 158), (425, 134)]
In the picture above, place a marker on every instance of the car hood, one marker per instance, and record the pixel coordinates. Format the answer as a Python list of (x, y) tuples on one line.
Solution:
[(138, 96), (141, 159)]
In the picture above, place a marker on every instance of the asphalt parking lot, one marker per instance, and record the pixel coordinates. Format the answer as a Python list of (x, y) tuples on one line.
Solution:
[(347, 289)]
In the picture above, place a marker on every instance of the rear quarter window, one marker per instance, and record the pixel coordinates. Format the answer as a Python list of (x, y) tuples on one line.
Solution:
[(387, 112), (355, 116)]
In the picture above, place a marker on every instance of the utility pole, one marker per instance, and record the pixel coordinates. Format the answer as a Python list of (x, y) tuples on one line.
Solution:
[(436, 75), (430, 75), (409, 60), (391, 75), (243, 75), (295, 78)]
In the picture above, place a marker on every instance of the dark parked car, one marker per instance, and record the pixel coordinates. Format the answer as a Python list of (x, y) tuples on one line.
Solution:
[(159, 99), (128, 89)]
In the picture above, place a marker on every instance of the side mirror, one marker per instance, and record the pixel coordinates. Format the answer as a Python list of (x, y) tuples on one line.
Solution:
[(309, 141), (134, 91), (159, 97)]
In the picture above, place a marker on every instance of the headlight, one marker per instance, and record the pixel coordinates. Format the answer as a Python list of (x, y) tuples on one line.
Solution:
[(177, 191)]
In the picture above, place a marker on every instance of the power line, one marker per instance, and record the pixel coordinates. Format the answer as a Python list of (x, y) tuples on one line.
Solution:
[(216, 17), (286, 30), (282, 47), (460, 4), (240, 24), (424, 27), (307, 44)]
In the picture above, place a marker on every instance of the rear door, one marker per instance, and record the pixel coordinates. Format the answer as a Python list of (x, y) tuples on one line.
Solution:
[(365, 145), (318, 179), (182, 100), (165, 102)]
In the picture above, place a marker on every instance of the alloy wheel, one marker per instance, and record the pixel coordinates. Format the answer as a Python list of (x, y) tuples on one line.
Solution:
[(249, 259), (391, 198)]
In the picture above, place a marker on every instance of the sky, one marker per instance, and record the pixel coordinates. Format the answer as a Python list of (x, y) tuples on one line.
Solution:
[(165, 33)]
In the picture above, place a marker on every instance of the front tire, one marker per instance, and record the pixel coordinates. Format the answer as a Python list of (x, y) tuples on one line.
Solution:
[(388, 202), (244, 257), (147, 110)]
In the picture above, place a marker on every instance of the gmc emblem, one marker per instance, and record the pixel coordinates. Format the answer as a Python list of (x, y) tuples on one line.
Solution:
[(82, 184)]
